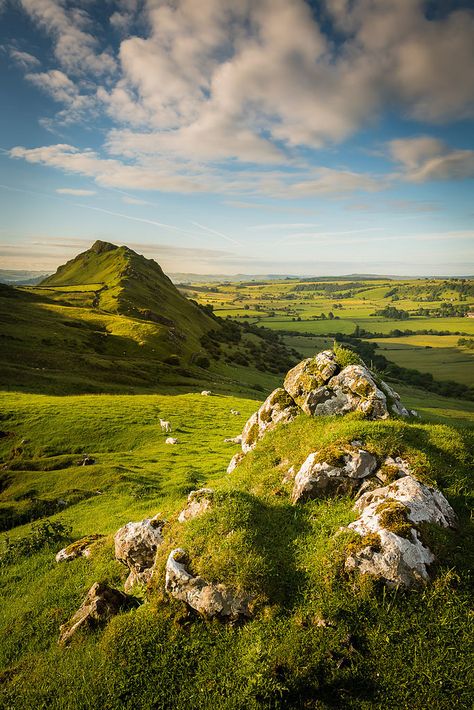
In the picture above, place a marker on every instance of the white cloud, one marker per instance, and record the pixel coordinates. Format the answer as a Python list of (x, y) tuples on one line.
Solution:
[(425, 158), (76, 192), (133, 201), (75, 47), (25, 60), (208, 86), (187, 177)]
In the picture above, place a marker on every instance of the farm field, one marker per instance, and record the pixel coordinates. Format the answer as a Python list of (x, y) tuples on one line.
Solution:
[(325, 308), (444, 363)]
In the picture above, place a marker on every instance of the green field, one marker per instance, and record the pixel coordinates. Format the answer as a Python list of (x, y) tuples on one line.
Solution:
[(348, 308), (430, 354)]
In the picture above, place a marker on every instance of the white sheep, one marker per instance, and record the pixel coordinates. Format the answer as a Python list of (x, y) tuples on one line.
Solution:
[(171, 440), (235, 412), (165, 426), (206, 393)]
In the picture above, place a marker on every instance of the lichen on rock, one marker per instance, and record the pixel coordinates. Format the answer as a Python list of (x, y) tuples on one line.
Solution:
[(209, 600), (393, 512), (278, 408), (319, 478), (79, 548)]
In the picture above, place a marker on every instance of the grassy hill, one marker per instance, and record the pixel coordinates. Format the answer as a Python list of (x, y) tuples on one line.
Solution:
[(111, 320), (379, 648)]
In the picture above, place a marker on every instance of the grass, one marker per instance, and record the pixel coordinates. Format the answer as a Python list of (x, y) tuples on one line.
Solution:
[(444, 363), (288, 558)]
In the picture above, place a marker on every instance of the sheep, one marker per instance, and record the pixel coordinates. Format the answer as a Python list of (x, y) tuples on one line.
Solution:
[(165, 426), (206, 393), (171, 440), (235, 412)]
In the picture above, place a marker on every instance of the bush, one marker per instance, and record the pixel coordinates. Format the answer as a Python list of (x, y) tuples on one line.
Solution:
[(45, 534)]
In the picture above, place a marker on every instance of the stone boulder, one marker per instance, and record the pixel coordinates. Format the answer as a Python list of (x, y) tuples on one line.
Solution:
[(79, 548), (308, 376), (278, 408), (100, 604), (395, 551), (235, 460), (320, 479), (210, 600), (198, 502), (135, 547)]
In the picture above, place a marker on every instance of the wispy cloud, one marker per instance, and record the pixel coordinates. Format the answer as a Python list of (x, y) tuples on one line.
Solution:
[(75, 192)]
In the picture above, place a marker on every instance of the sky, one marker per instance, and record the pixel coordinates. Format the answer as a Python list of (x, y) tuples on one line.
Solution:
[(240, 136)]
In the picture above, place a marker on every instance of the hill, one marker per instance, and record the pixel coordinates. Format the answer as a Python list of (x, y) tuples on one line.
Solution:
[(111, 320), (316, 634), (127, 283)]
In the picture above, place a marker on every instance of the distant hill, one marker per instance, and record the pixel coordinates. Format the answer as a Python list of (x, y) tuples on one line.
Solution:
[(21, 278)]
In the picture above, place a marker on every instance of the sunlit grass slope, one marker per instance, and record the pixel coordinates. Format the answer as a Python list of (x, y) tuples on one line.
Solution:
[(318, 639)]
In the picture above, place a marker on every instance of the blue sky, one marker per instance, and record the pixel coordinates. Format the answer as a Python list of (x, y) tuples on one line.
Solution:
[(230, 136)]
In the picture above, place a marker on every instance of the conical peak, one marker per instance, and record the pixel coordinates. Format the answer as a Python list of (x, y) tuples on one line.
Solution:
[(100, 247)]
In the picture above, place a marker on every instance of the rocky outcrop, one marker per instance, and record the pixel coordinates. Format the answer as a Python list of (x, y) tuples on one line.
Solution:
[(235, 460), (210, 600), (355, 390), (135, 547), (392, 547), (278, 408), (308, 376), (319, 479), (198, 502), (100, 604), (79, 548), (318, 386)]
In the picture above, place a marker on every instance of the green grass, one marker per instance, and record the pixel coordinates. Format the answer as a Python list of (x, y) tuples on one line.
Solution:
[(289, 558), (448, 363)]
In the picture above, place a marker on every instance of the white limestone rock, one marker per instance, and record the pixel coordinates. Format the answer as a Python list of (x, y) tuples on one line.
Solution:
[(210, 600), (198, 502), (135, 547), (399, 559), (278, 408), (235, 460), (310, 375), (319, 479)]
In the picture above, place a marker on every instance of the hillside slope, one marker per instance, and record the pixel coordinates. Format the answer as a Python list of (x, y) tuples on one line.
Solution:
[(111, 320), (318, 637), (129, 284)]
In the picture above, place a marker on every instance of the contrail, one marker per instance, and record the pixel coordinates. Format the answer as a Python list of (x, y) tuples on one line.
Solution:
[(219, 234)]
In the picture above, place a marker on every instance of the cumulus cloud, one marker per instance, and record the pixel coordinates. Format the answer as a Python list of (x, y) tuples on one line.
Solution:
[(425, 158), (188, 177), (217, 83)]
